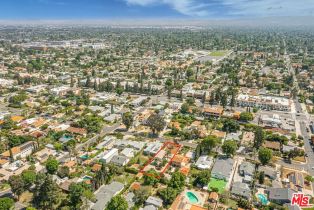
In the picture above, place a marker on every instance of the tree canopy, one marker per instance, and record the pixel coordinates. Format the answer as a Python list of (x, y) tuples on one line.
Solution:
[(117, 203), (265, 155)]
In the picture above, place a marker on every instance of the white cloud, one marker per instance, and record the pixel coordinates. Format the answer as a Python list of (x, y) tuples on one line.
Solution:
[(186, 7), (248, 8), (269, 7)]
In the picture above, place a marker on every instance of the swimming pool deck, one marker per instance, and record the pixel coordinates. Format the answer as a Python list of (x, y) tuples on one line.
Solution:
[(182, 202)]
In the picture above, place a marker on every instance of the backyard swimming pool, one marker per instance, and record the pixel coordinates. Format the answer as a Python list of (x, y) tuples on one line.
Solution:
[(192, 197), (84, 157), (262, 198)]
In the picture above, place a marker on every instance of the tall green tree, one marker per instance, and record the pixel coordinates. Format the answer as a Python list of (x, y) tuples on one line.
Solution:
[(127, 119), (230, 125), (177, 181), (17, 185), (265, 155), (168, 195), (52, 165), (246, 116), (258, 137), (229, 147), (6, 203), (202, 178), (48, 196), (156, 123), (75, 195), (29, 178), (117, 203)]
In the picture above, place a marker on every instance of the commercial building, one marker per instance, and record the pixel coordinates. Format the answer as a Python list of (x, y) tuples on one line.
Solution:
[(264, 102)]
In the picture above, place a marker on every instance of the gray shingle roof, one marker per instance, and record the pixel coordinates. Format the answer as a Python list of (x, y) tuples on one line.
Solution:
[(105, 193), (247, 168), (223, 166), (280, 193), (241, 189), (153, 201)]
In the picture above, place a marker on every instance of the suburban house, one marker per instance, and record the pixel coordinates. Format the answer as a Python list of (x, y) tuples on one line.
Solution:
[(119, 160), (79, 131), (180, 161), (153, 148), (154, 201), (107, 143), (105, 193), (204, 162), (280, 195), (128, 152), (213, 111), (269, 172), (241, 189), (109, 155), (21, 151), (222, 168), (247, 170)]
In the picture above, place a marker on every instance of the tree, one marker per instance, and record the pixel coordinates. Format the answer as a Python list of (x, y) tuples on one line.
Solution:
[(29, 178), (265, 155), (150, 178), (229, 147), (258, 137), (127, 119), (142, 194), (64, 171), (75, 195), (52, 165), (30, 208), (202, 178), (117, 203), (72, 82), (224, 100), (17, 185), (295, 153), (208, 144), (177, 181), (309, 179), (92, 123), (48, 195), (261, 177), (185, 108), (6, 203), (88, 82), (230, 125), (245, 204), (119, 91), (246, 116), (156, 123), (168, 195)]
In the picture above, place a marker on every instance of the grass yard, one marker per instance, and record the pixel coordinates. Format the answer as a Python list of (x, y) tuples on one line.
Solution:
[(217, 183), (300, 159), (218, 53)]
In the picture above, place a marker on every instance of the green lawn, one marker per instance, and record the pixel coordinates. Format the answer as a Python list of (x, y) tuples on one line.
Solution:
[(217, 183), (218, 53)]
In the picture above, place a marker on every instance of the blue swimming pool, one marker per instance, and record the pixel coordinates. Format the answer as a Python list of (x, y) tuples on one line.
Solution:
[(262, 198), (84, 157), (87, 178), (192, 197)]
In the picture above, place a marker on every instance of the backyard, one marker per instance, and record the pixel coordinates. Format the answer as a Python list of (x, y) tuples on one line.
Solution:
[(217, 184), (218, 53)]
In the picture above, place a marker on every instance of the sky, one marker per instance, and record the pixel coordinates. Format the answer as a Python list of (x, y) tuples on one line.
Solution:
[(152, 9)]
